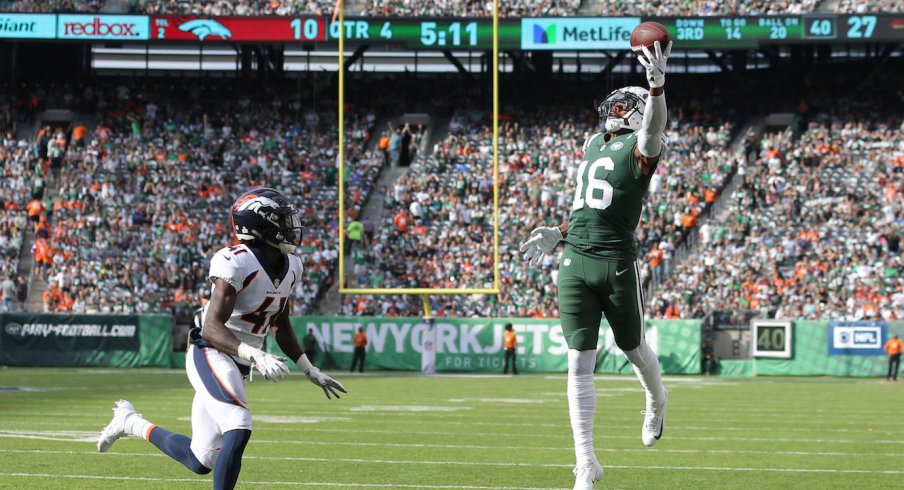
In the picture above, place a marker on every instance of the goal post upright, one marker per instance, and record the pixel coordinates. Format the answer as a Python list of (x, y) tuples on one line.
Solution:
[(428, 346)]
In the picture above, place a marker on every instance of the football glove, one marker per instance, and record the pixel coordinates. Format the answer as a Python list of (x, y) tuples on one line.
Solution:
[(655, 63), (270, 366), (542, 240), (324, 381)]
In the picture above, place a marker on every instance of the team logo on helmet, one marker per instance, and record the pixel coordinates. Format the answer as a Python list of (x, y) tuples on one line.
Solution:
[(266, 215)]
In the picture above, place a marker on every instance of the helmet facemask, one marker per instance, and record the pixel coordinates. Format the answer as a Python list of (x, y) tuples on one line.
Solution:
[(631, 100)]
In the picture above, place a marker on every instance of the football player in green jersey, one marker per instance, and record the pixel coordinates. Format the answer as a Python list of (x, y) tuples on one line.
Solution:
[(598, 271)]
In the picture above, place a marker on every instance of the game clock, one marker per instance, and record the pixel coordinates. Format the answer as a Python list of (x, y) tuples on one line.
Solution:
[(455, 34), (771, 339)]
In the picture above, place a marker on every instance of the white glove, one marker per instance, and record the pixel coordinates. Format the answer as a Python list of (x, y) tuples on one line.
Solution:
[(270, 366), (542, 240), (324, 381), (655, 65)]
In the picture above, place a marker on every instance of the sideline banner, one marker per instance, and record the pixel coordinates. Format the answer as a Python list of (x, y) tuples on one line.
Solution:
[(28, 339), (475, 345)]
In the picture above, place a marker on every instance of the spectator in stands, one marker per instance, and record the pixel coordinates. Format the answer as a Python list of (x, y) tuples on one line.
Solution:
[(8, 292), (21, 292), (35, 211), (384, 148), (356, 237), (78, 135)]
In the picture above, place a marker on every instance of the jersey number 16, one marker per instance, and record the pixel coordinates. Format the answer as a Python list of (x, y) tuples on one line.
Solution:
[(593, 184)]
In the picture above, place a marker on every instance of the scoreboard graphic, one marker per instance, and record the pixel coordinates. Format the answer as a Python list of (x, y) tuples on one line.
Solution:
[(238, 29)]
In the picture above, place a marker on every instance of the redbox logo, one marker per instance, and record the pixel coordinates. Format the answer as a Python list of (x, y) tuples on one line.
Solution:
[(103, 27), (98, 28)]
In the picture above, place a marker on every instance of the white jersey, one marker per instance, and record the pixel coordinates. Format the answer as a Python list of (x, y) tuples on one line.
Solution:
[(261, 298)]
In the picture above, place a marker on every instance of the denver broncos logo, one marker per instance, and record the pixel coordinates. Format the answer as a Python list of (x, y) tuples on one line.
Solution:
[(262, 206), (206, 27)]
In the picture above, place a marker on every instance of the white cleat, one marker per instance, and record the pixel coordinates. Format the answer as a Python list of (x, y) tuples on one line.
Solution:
[(654, 422), (586, 475), (116, 429)]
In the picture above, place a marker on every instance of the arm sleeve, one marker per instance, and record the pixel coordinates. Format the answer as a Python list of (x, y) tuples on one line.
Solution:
[(654, 117), (224, 266)]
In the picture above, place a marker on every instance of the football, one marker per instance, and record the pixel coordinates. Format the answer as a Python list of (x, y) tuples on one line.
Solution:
[(648, 33)]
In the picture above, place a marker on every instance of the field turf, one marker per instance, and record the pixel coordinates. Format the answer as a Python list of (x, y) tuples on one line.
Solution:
[(486, 432)]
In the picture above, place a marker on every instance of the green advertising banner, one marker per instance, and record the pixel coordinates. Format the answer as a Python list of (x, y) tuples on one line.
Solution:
[(32, 339), (475, 345), (815, 353)]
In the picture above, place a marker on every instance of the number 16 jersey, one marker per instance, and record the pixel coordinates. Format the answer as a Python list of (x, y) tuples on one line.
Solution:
[(608, 199)]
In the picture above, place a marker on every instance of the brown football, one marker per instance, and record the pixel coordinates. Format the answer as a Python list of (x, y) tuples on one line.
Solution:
[(648, 33)]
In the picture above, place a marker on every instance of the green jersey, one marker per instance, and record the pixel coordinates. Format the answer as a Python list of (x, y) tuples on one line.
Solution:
[(608, 200)]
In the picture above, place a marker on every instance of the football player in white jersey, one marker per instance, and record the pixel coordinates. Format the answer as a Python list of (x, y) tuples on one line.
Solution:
[(252, 284)]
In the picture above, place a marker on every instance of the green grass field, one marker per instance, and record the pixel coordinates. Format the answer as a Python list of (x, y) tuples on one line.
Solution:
[(488, 432)]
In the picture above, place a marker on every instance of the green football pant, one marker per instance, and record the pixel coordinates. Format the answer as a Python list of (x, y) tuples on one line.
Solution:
[(590, 287)]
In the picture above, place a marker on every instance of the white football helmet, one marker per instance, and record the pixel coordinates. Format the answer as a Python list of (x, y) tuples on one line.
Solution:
[(633, 99)]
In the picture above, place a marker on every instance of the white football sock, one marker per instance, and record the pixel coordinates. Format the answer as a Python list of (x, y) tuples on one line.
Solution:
[(646, 367), (582, 402), (137, 426)]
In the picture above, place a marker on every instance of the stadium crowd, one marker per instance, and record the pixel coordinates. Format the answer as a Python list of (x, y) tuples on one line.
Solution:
[(813, 232), (470, 8), (51, 6), (232, 7), (867, 6), (703, 7), (138, 205), (143, 198), (22, 180), (437, 228)]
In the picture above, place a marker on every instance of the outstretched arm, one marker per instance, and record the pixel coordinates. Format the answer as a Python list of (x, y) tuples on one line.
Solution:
[(649, 138), (542, 241)]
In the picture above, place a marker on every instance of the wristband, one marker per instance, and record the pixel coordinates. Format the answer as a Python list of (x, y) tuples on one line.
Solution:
[(247, 352), (304, 363)]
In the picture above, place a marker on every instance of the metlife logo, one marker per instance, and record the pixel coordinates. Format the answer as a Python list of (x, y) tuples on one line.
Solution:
[(578, 33), (117, 27)]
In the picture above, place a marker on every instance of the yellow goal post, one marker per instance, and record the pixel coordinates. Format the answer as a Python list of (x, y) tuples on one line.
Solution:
[(421, 291)]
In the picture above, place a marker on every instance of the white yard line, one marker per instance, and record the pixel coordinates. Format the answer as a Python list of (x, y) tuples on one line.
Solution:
[(470, 447), (206, 481), (601, 434)]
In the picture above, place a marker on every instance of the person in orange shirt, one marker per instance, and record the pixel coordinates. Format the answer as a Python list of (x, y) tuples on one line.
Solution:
[(893, 348), (688, 221), (360, 350), (672, 312), (35, 210), (78, 135), (401, 221), (511, 349)]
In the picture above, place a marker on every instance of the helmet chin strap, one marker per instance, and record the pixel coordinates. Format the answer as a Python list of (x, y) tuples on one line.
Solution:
[(614, 124)]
